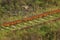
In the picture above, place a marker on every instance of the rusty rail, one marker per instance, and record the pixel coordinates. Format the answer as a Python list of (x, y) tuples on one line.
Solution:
[(30, 18)]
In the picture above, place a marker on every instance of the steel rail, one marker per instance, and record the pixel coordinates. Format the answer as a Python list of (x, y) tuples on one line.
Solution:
[(30, 18)]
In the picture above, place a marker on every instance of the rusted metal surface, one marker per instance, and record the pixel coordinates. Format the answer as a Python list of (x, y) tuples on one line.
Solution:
[(31, 18)]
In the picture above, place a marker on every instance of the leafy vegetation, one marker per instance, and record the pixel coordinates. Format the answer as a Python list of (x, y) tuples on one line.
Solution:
[(11, 10)]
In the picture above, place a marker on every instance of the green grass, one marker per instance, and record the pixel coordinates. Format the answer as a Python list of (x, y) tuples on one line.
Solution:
[(38, 30), (48, 31)]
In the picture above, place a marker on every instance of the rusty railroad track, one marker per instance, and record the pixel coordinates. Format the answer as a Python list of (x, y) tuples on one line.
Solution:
[(30, 18)]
